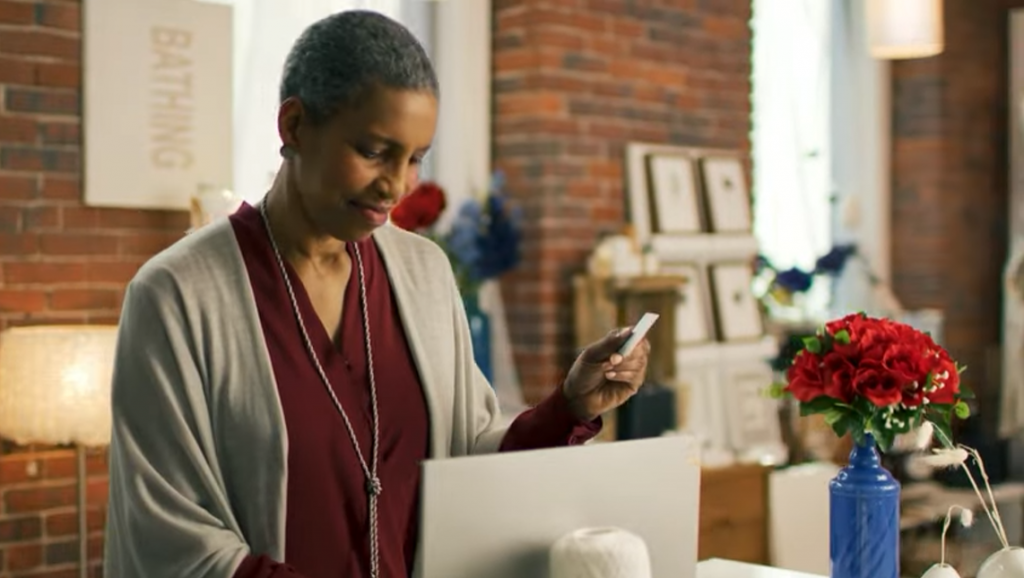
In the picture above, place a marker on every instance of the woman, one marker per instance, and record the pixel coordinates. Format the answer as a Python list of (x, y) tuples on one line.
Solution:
[(281, 375)]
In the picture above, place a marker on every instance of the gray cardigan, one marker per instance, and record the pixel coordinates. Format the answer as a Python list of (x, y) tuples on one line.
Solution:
[(198, 457)]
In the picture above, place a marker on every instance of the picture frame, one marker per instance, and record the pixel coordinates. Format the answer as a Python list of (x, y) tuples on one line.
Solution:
[(754, 429), (674, 194), (693, 323), (738, 315), (726, 194)]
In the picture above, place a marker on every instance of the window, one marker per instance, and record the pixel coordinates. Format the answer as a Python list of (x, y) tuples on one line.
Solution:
[(820, 139), (791, 134)]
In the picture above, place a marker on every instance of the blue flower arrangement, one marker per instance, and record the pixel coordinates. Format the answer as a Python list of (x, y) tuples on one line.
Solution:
[(794, 280), (484, 239)]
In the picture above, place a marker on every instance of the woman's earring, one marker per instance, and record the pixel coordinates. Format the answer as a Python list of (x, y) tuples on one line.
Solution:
[(287, 152)]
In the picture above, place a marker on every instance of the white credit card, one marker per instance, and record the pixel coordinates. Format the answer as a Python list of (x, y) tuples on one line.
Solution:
[(639, 331)]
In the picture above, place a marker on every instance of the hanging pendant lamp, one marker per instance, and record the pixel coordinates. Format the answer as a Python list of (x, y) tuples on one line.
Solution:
[(900, 29)]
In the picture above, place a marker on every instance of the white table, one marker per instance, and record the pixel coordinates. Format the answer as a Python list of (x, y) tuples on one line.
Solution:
[(716, 568)]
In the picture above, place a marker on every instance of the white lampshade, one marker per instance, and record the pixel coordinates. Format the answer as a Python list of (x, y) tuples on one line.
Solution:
[(905, 28), (55, 384)]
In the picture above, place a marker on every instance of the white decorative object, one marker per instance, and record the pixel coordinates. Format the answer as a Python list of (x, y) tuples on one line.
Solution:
[(625, 260), (55, 389), (905, 28), (600, 553), (1006, 563), (941, 571), (728, 199), (157, 101), (212, 203), (673, 180)]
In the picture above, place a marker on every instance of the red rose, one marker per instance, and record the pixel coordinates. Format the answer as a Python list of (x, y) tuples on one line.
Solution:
[(876, 339), (903, 361), (805, 377), (945, 380), (877, 385), (421, 208), (839, 373)]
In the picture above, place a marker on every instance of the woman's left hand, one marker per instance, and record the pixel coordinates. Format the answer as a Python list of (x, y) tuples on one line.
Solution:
[(601, 379)]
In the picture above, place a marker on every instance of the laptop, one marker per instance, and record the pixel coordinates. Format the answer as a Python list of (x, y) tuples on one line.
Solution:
[(497, 515)]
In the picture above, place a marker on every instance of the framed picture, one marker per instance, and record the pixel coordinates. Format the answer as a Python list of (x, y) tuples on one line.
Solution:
[(675, 197), (728, 199), (692, 325), (737, 313), (753, 419)]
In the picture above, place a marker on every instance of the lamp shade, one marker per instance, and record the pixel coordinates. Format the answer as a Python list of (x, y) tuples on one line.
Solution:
[(55, 384), (900, 29)]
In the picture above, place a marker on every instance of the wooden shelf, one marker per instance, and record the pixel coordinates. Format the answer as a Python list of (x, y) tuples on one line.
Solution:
[(734, 514)]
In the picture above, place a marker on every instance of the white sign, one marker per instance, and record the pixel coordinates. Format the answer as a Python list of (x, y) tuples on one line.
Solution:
[(157, 101)]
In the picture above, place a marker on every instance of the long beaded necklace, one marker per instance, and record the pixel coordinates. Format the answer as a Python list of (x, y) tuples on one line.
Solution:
[(373, 485)]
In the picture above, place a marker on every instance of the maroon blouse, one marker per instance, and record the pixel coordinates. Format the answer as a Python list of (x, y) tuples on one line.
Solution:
[(326, 521)]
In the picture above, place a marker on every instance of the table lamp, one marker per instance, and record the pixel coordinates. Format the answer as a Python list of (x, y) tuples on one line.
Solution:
[(55, 390)]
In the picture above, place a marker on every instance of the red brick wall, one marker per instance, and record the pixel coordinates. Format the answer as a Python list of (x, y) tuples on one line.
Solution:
[(573, 82), (59, 262), (950, 183)]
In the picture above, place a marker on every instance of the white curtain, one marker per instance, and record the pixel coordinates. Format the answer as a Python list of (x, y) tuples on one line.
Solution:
[(791, 131), (821, 148), (860, 120)]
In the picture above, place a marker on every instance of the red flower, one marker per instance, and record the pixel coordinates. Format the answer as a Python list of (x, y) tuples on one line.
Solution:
[(839, 374), (879, 386), (904, 361), (867, 369), (421, 208), (806, 378)]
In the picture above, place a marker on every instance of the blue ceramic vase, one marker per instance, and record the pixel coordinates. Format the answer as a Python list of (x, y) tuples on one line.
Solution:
[(864, 506), (480, 335)]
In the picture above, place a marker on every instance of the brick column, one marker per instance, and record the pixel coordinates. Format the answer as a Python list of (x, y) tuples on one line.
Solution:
[(573, 83), (950, 183), (60, 262)]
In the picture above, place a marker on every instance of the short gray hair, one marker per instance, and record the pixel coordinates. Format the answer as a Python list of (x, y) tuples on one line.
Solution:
[(337, 59)]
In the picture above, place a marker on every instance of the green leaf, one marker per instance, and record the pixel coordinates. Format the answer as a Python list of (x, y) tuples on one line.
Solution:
[(864, 407), (962, 410), (943, 431), (834, 415), (857, 432), (776, 390), (812, 344), (843, 336), (842, 426), (819, 404), (885, 439), (965, 391)]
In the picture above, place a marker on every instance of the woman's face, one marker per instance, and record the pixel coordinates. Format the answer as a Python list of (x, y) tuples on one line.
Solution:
[(353, 169)]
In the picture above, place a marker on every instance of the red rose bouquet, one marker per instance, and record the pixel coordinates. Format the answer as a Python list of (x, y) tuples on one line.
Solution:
[(869, 375), (421, 208)]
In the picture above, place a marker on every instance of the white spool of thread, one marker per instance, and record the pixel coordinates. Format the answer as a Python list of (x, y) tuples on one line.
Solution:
[(606, 552)]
